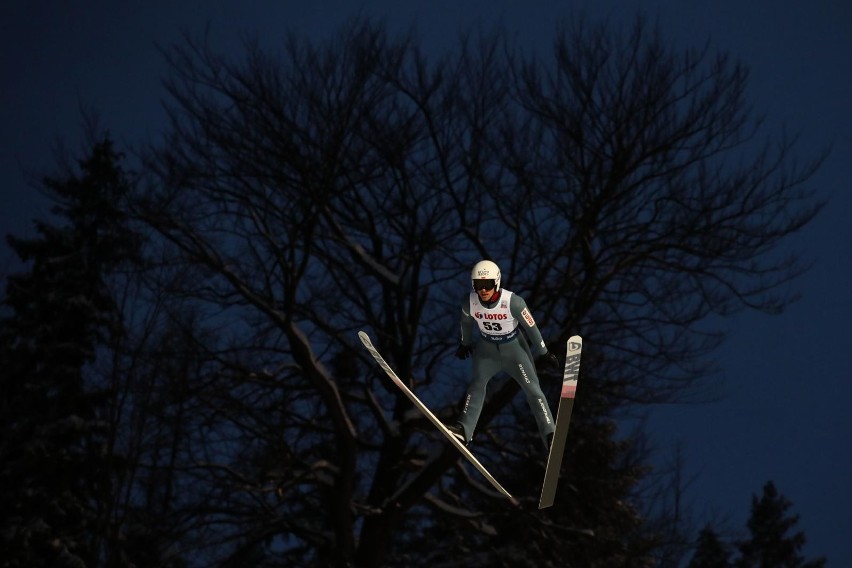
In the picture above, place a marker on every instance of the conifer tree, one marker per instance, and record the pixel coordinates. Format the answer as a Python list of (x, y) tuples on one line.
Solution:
[(772, 544), (710, 552), (55, 469)]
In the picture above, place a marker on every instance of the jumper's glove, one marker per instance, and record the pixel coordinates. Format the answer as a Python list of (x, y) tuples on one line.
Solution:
[(463, 352), (549, 358)]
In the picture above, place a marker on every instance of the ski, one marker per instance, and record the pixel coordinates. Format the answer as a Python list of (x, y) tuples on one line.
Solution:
[(365, 339), (563, 421)]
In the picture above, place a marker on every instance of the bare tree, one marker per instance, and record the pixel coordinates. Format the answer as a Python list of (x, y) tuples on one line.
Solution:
[(350, 186), (674, 203)]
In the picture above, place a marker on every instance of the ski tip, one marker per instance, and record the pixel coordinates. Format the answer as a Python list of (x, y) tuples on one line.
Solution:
[(575, 342)]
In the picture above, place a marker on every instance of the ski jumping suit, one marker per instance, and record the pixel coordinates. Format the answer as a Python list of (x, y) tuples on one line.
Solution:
[(506, 329)]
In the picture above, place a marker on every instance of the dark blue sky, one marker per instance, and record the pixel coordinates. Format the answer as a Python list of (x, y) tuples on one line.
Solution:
[(786, 378)]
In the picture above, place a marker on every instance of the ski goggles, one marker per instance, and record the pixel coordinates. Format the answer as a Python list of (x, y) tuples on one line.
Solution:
[(488, 284)]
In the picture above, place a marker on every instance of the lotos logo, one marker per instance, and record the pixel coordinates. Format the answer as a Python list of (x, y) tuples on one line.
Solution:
[(480, 315)]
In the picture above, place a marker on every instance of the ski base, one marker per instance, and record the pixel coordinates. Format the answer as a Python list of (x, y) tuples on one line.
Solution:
[(563, 421), (365, 339)]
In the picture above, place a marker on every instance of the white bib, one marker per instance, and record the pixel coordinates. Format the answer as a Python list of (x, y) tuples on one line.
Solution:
[(495, 324)]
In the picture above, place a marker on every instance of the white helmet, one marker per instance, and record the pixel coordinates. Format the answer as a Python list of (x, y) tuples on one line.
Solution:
[(485, 270)]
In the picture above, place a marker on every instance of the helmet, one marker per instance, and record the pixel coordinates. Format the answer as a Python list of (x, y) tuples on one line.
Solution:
[(485, 270)]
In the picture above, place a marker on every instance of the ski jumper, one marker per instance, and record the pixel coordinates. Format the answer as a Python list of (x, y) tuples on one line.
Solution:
[(502, 333)]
